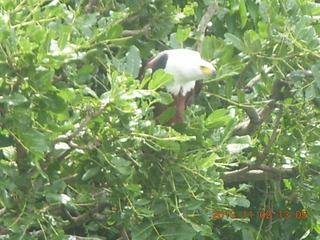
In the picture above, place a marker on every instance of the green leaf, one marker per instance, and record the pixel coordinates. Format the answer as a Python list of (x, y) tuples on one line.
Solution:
[(60, 198), (115, 31), (237, 144), (159, 79), (182, 33), (122, 165), (311, 92), (90, 173), (204, 230), (133, 61), (167, 115), (218, 118), (142, 231), (208, 161), (208, 49), (36, 141), (252, 40), (315, 69), (247, 234), (243, 13), (42, 79), (165, 97), (64, 36), (237, 42), (15, 99), (169, 145)]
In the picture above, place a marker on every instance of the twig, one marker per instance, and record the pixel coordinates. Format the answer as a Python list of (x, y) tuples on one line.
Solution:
[(240, 81), (274, 134), (262, 172), (257, 78), (68, 137), (77, 221), (143, 30)]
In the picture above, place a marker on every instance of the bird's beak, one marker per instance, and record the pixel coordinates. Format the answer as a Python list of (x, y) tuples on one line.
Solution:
[(209, 71)]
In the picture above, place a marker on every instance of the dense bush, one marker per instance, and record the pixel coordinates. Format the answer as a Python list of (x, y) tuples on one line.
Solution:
[(80, 153)]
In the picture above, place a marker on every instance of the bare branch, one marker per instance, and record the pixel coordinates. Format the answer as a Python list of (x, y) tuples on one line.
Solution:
[(143, 30), (240, 81), (77, 221), (280, 91), (262, 172), (204, 23), (257, 78), (274, 134), (68, 137)]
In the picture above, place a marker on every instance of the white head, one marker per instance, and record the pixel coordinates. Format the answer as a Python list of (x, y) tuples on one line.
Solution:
[(187, 65)]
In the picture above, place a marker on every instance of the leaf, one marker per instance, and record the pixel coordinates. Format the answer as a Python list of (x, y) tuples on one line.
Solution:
[(237, 42), (122, 165), (237, 144), (208, 161), (165, 97), (90, 173), (167, 115), (169, 145), (251, 39), (315, 69), (15, 99), (64, 36), (142, 231), (247, 234), (36, 141), (60, 198), (217, 119), (133, 61), (243, 13), (204, 230), (42, 79), (208, 49), (311, 92), (253, 9), (159, 79), (182, 33), (115, 31)]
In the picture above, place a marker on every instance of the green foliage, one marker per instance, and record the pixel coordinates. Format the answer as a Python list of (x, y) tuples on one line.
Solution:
[(80, 153)]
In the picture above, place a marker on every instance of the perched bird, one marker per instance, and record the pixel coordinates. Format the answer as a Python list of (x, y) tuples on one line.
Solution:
[(188, 69)]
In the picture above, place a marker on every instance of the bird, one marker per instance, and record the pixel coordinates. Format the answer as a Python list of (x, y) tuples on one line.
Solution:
[(188, 70)]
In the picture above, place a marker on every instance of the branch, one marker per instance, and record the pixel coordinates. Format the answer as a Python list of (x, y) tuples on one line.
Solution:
[(274, 134), (145, 29), (257, 78), (92, 214), (83, 124), (240, 81), (262, 172), (280, 91), (204, 23), (77, 221)]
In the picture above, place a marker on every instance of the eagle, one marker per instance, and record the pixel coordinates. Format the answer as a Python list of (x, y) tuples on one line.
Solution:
[(188, 70)]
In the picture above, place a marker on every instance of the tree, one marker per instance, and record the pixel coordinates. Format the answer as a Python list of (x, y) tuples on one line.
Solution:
[(81, 155)]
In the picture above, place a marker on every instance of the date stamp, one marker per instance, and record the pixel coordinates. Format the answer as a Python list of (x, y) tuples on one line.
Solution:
[(286, 214)]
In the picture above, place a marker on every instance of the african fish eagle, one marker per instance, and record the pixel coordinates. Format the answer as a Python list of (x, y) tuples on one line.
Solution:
[(188, 69)]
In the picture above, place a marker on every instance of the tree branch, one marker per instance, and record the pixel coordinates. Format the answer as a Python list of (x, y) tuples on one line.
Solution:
[(262, 172), (280, 91), (145, 29), (204, 23), (274, 134)]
